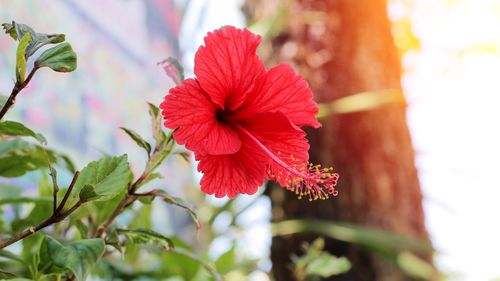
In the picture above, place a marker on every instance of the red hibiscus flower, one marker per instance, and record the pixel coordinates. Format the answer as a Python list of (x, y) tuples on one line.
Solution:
[(243, 121)]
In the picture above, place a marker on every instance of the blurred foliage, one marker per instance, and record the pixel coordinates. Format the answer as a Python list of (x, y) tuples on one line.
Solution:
[(316, 264), (399, 249), (361, 102)]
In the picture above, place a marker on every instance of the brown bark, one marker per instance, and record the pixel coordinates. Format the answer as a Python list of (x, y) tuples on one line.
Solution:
[(342, 48)]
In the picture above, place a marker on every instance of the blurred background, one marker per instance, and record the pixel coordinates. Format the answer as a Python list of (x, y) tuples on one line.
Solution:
[(409, 95)]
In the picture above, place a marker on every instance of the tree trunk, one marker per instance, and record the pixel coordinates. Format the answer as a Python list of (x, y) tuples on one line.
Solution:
[(344, 47)]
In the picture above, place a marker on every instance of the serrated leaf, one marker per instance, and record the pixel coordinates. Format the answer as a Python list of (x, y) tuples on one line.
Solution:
[(173, 69), (327, 265), (12, 128), (137, 139), (147, 236), (108, 176), (21, 58), (60, 58), (78, 256), (181, 203), (38, 40)]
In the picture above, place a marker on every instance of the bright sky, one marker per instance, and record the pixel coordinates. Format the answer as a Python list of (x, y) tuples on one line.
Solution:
[(452, 85)]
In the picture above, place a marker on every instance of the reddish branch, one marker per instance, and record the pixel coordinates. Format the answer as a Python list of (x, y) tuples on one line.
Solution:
[(56, 217), (18, 87)]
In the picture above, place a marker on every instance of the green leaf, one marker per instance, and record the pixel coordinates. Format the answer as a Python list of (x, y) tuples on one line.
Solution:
[(142, 217), (215, 275), (184, 154), (138, 139), (226, 261), (19, 157), (12, 128), (10, 29), (181, 203), (327, 265), (414, 266), (78, 256), (11, 256), (21, 58), (151, 176), (68, 163), (38, 40), (103, 209), (25, 200), (158, 134), (159, 156), (60, 58), (102, 180), (173, 69), (317, 263), (147, 236), (113, 240), (41, 211), (82, 229), (88, 193)]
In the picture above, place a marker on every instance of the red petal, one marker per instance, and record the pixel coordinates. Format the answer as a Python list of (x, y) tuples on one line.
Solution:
[(283, 139), (283, 90), (227, 66), (242, 172), (189, 110)]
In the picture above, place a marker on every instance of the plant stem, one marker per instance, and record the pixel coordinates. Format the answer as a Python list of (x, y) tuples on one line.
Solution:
[(66, 196), (51, 220), (127, 201), (15, 91), (57, 216)]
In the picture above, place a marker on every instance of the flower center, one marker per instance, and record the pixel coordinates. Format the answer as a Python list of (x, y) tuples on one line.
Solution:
[(222, 116), (304, 178)]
